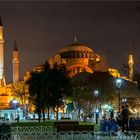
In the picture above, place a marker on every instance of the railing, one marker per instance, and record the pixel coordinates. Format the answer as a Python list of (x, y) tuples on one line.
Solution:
[(69, 136), (49, 133), (32, 129)]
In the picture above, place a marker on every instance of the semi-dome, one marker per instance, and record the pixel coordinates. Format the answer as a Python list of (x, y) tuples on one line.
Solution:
[(75, 47)]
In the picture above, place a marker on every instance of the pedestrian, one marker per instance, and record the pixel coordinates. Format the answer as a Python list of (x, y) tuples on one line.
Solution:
[(125, 117), (111, 114), (104, 124), (119, 119), (113, 125)]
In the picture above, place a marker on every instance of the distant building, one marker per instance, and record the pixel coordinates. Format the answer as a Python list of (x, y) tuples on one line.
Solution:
[(78, 58)]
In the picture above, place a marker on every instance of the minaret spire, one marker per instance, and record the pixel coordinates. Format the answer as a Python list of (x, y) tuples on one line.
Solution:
[(15, 46), (1, 22), (2, 78), (15, 63), (130, 49), (75, 39), (130, 62)]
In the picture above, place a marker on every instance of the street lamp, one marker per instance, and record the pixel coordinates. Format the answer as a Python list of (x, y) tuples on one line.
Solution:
[(118, 84), (124, 100), (15, 104), (96, 94)]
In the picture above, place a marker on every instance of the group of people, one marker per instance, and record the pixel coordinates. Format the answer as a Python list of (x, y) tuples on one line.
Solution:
[(112, 124), (108, 125)]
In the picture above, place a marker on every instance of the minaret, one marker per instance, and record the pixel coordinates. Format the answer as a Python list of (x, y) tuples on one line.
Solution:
[(2, 79), (75, 39), (130, 62), (15, 63)]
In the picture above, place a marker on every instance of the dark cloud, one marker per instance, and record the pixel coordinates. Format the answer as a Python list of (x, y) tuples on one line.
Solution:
[(42, 28)]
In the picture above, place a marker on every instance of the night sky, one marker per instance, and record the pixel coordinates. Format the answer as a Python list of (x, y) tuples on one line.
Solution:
[(42, 28)]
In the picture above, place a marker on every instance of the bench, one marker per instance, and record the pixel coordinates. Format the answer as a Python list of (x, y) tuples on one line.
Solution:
[(65, 123), (134, 124), (135, 128), (64, 118), (73, 127)]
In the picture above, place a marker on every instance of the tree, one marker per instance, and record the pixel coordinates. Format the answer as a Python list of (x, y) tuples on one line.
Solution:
[(136, 78), (105, 84), (133, 103), (82, 95), (48, 87), (34, 83), (125, 69), (60, 86), (19, 92), (84, 85), (46, 95)]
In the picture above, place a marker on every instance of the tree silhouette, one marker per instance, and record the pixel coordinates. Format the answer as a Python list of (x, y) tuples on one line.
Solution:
[(34, 83), (49, 87)]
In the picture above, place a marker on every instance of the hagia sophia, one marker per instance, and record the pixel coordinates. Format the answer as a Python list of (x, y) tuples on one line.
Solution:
[(77, 57)]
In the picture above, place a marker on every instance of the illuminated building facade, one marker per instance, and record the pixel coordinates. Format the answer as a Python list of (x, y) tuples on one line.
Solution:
[(79, 58), (5, 91)]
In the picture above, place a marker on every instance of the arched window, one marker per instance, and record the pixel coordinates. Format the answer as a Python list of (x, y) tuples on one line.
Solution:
[(84, 54), (78, 69), (81, 54), (76, 54), (87, 54)]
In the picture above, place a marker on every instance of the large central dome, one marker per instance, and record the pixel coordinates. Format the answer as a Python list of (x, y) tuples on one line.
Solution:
[(79, 58), (75, 47)]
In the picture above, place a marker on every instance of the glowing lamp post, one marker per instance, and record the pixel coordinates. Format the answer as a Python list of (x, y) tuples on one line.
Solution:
[(96, 94), (118, 84), (124, 100), (15, 105)]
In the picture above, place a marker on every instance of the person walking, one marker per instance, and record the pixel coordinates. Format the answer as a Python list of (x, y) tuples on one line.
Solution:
[(125, 117), (111, 114), (119, 119)]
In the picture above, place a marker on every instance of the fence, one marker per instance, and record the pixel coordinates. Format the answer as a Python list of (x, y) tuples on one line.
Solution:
[(47, 133)]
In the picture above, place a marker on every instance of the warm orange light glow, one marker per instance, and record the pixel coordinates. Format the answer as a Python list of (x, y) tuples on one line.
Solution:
[(77, 69), (130, 59), (114, 72)]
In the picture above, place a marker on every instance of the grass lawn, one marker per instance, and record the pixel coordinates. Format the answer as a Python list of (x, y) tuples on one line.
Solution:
[(96, 126), (47, 123)]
